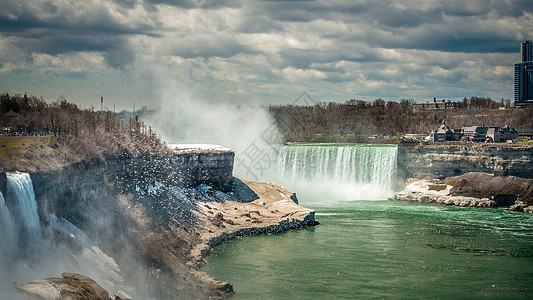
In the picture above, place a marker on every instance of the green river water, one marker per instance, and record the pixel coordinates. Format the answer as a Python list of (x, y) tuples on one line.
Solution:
[(376, 249), (385, 250)]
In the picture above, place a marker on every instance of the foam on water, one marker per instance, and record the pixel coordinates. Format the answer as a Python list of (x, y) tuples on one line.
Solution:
[(338, 171)]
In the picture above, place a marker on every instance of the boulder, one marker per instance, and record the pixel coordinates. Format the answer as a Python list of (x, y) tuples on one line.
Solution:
[(71, 286)]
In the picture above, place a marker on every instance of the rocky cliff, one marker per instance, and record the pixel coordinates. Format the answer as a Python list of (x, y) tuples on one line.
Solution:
[(439, 161), (160, 215)]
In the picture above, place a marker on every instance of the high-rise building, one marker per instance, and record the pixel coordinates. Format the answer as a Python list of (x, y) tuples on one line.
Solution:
[(523, 76), (527, 51)]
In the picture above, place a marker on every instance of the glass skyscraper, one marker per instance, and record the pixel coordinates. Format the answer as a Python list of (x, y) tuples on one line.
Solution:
[(527, 51), (523, 76)]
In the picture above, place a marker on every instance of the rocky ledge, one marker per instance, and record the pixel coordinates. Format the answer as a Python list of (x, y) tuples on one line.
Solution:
[(71, 286), (425, 191), (274, 210), (473, 189)]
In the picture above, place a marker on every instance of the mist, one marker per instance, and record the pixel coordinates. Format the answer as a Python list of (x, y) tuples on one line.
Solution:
[(187, 115), (33, 248)]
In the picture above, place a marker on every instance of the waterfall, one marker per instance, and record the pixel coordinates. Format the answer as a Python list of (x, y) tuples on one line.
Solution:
[(19, 219), (8, 237), (339, 171), (23, 210)]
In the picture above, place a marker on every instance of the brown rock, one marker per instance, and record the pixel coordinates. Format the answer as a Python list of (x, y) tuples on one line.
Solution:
[(72, 286)]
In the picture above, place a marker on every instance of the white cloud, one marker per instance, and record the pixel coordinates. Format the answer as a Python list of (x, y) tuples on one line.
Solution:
[(272, 50)]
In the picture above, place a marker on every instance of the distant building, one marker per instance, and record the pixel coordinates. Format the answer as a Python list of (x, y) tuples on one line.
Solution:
[(9, 117), (526, 51), (523, 76), (502, 134), (473, 134), (445, 134)]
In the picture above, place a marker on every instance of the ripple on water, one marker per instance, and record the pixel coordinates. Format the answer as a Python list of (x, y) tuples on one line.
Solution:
[(381, 249)]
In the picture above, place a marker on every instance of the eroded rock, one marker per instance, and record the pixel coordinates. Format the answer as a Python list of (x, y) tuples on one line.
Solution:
[(71, 286)]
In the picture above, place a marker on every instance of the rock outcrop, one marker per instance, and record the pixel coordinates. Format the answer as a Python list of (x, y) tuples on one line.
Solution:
[(273, 211), (71, 286), (164, 214), (424, 191), (445, 160), (473, 189)]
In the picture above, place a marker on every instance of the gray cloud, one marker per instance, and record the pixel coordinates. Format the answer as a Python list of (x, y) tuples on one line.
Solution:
[(352, 46), (44, 27), (207, 46)]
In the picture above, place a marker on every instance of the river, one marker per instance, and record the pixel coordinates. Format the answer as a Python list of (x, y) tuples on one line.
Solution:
[(382, 249)]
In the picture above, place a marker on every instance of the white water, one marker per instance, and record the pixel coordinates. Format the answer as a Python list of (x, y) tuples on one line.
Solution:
[(8, 233), (25, 255), (338, 171), (24, 218)]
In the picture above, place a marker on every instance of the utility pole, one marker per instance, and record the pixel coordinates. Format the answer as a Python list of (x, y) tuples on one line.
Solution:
[(101, 105)]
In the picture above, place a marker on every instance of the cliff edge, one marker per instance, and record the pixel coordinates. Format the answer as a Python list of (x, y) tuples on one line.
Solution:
[(158, 216)]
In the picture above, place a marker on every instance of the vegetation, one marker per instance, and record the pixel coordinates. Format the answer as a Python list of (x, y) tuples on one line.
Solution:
[(60, 133), (356, 120)]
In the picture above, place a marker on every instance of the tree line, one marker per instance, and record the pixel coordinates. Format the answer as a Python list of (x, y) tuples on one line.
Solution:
[(81, 133), (354, 120)]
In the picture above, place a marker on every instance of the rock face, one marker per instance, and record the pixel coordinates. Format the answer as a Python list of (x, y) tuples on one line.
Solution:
[(71, 286), (165, 214), (473, 189), (440, 161), (3, 182), (424, 191)]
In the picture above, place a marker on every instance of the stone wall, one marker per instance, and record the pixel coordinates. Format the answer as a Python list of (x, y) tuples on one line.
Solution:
[(451, 160)]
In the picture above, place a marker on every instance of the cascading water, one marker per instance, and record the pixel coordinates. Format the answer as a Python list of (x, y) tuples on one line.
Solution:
[(339, 171), (25, 255), (8, 235), (22, 219), (20, 231)]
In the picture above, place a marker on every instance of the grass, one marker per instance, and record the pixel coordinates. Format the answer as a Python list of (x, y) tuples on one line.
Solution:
[(25, 152), (12, 144)]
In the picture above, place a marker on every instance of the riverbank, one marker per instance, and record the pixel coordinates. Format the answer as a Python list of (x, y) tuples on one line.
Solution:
[(474, 189), (159, 213), (274, 210)]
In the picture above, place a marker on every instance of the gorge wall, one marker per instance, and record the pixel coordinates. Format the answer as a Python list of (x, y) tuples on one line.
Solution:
[(158, 214), (85, 193), (444, 160), (139, 210)]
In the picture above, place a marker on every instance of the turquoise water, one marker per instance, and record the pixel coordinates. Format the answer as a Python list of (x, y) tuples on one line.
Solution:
[(384, 250)]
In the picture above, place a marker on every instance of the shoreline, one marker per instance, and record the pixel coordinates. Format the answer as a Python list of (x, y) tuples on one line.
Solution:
[(474, 189), (274, 211)]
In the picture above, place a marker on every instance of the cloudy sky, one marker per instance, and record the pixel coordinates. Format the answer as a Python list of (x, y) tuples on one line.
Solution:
[(268, 51)]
